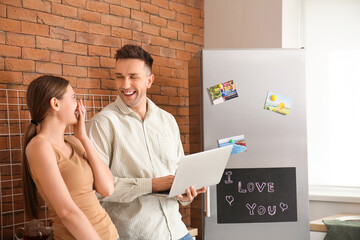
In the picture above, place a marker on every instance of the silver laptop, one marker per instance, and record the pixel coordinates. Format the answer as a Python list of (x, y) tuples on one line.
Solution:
[(201, 169)]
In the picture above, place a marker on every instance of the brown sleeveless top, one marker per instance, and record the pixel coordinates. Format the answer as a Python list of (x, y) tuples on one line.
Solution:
[(79, 180)]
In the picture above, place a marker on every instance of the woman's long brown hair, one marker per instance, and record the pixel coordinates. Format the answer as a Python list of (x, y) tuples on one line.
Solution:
[(38, 96)]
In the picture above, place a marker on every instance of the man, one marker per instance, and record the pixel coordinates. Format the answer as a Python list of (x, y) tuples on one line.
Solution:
[(141, 144)]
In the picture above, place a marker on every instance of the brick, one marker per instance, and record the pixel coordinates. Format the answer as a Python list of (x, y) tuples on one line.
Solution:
[(35, 29), (13, 64), (11, 77), (170, 109), (151, 29), (9, 25), (37, 5), (74, 71), (21, 40), (183, 55), (167, 14), (107, 62), (186, 37), (48, 43), (2, 63), (50, 68), (183, 18), (184, 92), (98, 73), (98, 6), (2, 37), (132, 42), (168, 33), (65, 58), (75, 3), (198, 40), (76, 25), (77, 48), (64, 10), (141, 16), (192, 47), (149, 8), (167, 72), (88, 61), (177, 44), (175, 25), (167, 52), (121, 32), (182, 73), (161, 3), (107, 84), (10, 51), (132, 24), (191, 29), (99, 51), (50, 19), (16, 3), (89, 16), (159, 99), (59, 33), (99, 29), (169, 91), (153, 50), (142, 37), (97, 39), (111, 20), (131, 4), (36, 54), (161, 61), (88, 83), (21, 14), (158, 21), (184, 9), (155, 89), (119, 11), (160, 41), (197, 21), (177, 63)]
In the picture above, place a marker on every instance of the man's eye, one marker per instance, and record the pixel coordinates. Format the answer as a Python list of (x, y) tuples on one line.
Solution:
[(120, 77)]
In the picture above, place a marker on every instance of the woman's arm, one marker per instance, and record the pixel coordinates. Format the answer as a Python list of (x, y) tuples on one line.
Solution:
[(43, 165), (103, 178)]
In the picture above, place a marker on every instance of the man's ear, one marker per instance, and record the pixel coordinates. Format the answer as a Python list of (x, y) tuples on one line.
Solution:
[(54, 103), (150, 80)]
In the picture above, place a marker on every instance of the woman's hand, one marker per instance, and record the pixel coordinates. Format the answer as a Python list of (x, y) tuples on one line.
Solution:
[(190, 194), (79, 127)]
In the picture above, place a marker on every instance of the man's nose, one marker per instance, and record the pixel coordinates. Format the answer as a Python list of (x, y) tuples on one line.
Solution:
[(126, 82)]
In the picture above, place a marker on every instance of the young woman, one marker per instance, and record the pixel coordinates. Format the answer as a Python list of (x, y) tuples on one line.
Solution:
[(65, 170)]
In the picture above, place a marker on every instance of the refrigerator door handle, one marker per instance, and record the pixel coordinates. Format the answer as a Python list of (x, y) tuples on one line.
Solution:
[(207, 202)]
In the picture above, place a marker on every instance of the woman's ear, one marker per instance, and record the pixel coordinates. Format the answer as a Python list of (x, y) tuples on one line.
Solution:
[(54, 103)]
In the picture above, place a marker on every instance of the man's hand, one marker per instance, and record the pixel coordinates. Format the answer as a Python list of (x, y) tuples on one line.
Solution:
[(162, 183), (190, 194)]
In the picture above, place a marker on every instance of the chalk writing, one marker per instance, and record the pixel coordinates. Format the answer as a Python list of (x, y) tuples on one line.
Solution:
[(257, 195)]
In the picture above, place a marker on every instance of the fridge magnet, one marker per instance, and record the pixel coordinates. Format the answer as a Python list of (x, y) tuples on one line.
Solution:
[(237, 141), (278, 103), (223, 92)]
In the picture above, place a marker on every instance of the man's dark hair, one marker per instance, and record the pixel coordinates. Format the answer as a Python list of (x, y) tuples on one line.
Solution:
[(135, 52)]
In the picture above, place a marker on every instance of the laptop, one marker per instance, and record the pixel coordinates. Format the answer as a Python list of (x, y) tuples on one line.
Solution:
[(201, 169)]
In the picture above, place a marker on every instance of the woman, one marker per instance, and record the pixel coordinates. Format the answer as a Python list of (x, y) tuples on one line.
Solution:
[(65, 170)]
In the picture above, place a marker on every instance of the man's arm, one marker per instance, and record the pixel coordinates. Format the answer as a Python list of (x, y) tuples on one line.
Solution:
[(125, 189)]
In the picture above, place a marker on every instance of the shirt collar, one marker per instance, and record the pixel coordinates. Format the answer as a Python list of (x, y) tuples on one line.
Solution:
[(151, 107)]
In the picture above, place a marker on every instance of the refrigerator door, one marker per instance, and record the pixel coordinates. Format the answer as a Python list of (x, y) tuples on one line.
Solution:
[(273, 140)]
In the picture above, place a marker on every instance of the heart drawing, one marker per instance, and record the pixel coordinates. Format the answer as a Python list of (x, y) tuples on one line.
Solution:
[(229, 199), (283, 206)]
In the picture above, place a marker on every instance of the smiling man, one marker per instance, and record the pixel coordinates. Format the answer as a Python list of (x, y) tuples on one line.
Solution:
[(141, 145)]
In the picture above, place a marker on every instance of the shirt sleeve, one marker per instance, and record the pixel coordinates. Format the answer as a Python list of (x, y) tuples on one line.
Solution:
[(126, 189)]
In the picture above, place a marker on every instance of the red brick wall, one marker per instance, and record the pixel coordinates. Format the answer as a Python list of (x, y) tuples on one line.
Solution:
[(77, 39)]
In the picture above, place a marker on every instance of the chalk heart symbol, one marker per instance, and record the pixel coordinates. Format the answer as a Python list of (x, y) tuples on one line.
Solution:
[(283, 206), (229, 199)]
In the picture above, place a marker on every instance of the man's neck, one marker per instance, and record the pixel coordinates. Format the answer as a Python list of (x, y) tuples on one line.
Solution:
[(141, 111)]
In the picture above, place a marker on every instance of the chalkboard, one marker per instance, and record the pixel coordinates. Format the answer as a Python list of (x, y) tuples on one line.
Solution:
[(257, 195)]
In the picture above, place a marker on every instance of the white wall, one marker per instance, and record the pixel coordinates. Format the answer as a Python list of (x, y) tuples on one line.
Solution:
[(243, 24)]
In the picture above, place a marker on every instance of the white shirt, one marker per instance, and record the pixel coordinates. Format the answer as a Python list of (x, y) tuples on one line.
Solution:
[(137, 151)]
